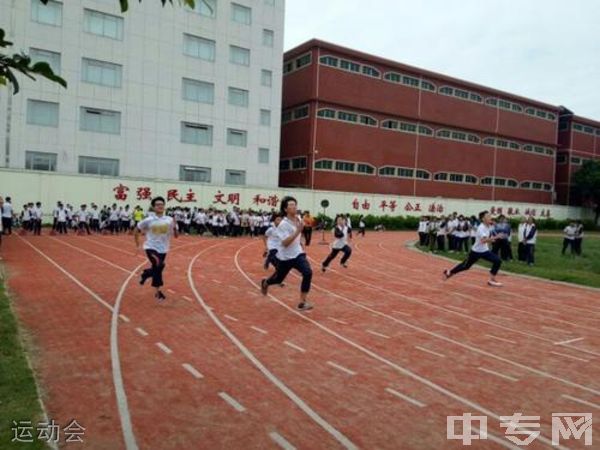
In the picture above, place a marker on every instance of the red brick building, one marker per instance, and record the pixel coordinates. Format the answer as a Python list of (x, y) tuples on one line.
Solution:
[(359, 123), (578, 141)]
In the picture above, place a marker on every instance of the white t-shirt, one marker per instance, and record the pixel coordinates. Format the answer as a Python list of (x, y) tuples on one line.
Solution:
[(272, 238), (341, 242), (526, 231), (61, 215), (570, 232), (483, 232), (82, 215), (37, 213), (286, 229), (158, 232), (26, 214), (95, 214), (114, 215), (7, 210)]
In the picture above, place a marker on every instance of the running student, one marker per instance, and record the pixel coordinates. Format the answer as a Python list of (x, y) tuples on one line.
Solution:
[(272, 242), (340, 244), (290, 254), (158, 229), (480, 250)]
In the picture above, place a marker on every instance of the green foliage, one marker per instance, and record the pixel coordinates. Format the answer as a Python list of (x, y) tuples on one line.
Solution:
[(586, 185), (10, 65)]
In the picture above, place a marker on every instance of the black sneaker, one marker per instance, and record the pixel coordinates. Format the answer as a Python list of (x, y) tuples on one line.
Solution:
[(447, 274), (323, 268), (264, 287), (344, 265), (305, 306), (143, 278), (160, 296)]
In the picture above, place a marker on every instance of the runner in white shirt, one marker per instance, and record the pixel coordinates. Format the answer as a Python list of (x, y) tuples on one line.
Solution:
[(529, 238), (290, 253), (83, 217), (480, 250), (95, 218), (61, 219), (158, 228), (113, 217), (341, 233), (26, 218), (271, 240)]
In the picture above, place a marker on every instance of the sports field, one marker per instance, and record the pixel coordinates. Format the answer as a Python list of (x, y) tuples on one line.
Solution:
[(389, 351)]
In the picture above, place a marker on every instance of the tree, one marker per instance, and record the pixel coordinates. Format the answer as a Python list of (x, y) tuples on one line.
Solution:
[(586, 186), (21, 63)]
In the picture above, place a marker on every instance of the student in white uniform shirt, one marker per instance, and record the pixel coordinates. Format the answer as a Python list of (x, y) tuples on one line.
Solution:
[(36, 217), (61, 219), (95, 219), (7, 216), (480, 250), (569, 238), (529, 239), (290, 253), (83, 218), (113, 217), (26, 218), (340, 244), (158, 229)]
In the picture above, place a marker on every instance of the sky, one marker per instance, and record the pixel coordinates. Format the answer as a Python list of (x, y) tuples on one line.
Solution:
[(547, 50)]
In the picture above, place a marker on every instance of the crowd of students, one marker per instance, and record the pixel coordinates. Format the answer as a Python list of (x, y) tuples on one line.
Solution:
[(456, 233)]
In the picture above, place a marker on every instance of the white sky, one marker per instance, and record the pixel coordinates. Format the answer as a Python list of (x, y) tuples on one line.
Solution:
[(548, 50)]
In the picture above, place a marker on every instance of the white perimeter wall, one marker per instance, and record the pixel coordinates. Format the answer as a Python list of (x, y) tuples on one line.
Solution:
[(28, 186)]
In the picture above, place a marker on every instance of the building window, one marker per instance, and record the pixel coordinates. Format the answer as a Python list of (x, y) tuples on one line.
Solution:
[(239, 55), (370, 71), (387, 171), (423, 174), (329, 61), (52, 58), (100, 120), (194, 174), (266, 78), (470, 179), (390, 124), (237, 177), (42, 113), (349, 66), (99, 166), (347, 117), (512, 183), (198, 91), (561, 158), (195, 133), (301, 112), (268, 38), (49, 14), (238, 97), (403, 172), (199, 47), (575, 160), (237, 138), (365, 168), (344, 166), (299, 163), (102, 24), (303, 60), (324, 164), (40, 161), (241, 14), (408, 127), (326, 113), (102, 73), (265, 117), (284, 164), (441, 176), (263, 156), (207, 8)]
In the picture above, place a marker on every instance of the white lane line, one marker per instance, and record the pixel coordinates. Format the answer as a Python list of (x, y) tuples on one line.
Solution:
[(458, 308), (170, 291), (260, 330), (191, 369), (583, 402), (310, 412), (426, 350), (497, 374), (227, 316), (294, 346), (141, 331), (570, 341), (187, 298), (341, 368), (508, 341), (338, 320), (446, 325), (232, 402), (216, 281), (281, 441), (406, 398), (124, 318), (570, 356), (164, 348), (375, 333), (402, 313)]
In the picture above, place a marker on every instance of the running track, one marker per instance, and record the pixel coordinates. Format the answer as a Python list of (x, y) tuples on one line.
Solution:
[(386, 355)]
